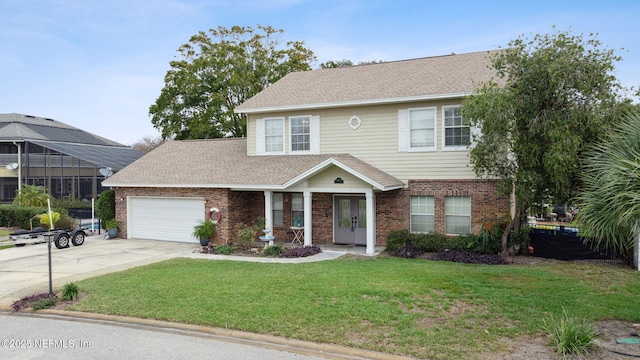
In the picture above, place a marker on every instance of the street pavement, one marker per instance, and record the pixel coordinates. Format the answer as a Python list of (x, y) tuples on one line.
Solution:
[(50, 337)]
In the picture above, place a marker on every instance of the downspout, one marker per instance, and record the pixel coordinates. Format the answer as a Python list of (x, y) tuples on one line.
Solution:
[(19, 166)]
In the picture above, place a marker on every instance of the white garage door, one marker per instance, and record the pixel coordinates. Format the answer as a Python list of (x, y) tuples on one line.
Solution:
[(164, 218)]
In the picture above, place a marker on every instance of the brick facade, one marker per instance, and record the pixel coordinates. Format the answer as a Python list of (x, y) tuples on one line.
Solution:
[(392, 208)]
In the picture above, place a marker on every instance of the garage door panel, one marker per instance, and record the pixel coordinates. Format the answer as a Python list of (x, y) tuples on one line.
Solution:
[(164, 218)]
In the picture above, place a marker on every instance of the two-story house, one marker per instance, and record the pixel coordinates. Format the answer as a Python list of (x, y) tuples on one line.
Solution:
[(347, 155)]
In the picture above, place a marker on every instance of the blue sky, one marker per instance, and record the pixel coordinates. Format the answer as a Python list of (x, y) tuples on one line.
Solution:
[(98, 65)]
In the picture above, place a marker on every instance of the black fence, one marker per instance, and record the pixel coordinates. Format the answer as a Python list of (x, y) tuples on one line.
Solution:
[(564, 244)]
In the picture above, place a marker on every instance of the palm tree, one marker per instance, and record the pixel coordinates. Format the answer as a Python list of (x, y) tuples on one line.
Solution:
[(609, 205), (31, 195)]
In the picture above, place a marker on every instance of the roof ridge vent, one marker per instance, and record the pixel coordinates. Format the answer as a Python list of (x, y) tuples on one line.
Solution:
[(29, 116), (49, 119)]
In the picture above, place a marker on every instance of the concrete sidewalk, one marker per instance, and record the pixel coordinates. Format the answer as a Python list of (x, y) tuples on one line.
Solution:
[(24, 270)]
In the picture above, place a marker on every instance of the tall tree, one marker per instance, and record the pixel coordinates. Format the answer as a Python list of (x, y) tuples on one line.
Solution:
[(215, 72), (148, 143), (609, 203), (554, 96)]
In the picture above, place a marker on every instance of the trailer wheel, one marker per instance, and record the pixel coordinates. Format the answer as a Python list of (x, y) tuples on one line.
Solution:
[(78, 238), (62, 240)]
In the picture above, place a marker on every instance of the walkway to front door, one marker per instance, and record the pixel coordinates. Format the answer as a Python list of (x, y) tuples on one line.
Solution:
[(350, 220)]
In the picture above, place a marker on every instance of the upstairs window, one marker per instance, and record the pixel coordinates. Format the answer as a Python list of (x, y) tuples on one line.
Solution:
[(300, 127), (457, 132), (417, 129), (274, 135), (422, 127)]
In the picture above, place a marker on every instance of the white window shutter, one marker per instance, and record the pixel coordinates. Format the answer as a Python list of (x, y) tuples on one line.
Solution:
[(403, 130), (315, 135), (260, 143)]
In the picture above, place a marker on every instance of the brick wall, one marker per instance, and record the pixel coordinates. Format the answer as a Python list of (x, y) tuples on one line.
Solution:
[(392, 208), (486, 205)]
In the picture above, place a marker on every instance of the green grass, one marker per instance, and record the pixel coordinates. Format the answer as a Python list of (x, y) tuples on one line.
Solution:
[(418, 308), (3, 233)]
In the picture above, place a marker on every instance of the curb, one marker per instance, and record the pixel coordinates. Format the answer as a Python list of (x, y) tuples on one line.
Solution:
[(328, 351)]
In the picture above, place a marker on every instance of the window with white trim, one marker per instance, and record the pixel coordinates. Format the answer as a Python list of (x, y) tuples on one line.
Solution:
[(278, 209), (422, 214), (274, 135), (300, 128), (457, 215), (457, 132), (422, 128), (297, 209)]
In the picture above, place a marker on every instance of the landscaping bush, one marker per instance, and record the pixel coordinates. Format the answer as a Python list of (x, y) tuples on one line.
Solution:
[(106, 206), (20, 216), (273, 251), (70, 291), (404, 242), (467, 257), (245, 236), (44, 303), (26, 301), (301, 252), (224, 249)]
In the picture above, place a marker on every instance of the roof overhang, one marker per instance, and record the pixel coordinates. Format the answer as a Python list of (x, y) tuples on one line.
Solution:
[(292, 183), (352, 103)]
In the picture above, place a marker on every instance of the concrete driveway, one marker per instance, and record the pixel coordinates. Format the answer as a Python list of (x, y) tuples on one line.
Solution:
[(25, 270)]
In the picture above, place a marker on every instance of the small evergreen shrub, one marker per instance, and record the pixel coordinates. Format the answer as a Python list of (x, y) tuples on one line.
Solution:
[(224, 249), (44, 303), (569, 335), (245, 236), (272, 251), (70, 291)]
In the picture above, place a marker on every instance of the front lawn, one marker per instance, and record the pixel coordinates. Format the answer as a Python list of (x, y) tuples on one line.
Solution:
[(420, 308)]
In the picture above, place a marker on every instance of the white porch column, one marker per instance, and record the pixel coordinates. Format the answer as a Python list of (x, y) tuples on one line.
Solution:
[(307, 218), (268, 211), (371, 222)]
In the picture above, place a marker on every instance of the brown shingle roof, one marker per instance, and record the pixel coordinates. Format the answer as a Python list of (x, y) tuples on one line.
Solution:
[(440, 76), (223, 163)]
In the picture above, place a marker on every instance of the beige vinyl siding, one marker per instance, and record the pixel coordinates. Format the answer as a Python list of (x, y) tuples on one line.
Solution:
[(326, 180), (376, 141)]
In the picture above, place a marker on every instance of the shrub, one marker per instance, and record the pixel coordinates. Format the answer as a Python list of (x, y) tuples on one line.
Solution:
[(224, 249), (44, 303), (19, 216), (301, 252), (26, 301), (70, 291), (245, 236), (569, 335), (273, 251), (468, 257), (106, 206)]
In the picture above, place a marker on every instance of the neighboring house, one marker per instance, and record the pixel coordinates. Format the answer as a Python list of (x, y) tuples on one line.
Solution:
[(348, 154), (62, 158)]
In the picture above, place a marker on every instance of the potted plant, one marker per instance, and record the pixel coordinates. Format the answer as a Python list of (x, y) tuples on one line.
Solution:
[(112, 228), (204, 231)]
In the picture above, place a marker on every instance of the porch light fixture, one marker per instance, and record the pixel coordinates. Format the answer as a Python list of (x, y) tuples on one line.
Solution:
[(338, 181)]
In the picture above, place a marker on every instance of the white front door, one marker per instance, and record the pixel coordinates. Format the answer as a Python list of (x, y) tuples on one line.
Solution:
[(350, 220)]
